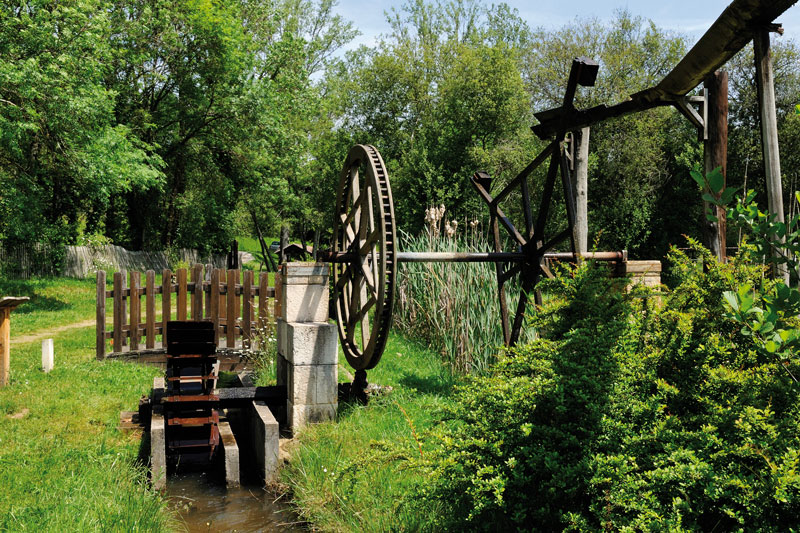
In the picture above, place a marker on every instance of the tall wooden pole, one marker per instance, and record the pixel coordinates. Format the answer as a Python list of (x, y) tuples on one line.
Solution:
[(715, 151), (765, 84), (580, 185), (5, 336)]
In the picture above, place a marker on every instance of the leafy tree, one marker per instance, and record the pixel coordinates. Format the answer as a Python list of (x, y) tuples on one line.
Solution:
[(62, 153)]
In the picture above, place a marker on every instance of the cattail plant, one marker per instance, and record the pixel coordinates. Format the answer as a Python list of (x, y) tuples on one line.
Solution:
[(452, 306)]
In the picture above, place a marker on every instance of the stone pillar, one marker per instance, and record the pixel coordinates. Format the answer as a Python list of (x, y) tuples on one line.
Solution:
[(307, 345)]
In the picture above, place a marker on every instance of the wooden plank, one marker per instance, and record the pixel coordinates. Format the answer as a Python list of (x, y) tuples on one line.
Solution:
[(232, 311), (125, 297), (223, 276), (150, 309), (197, 293), (207, 289), (247, 306), (100, 316), (5, 341), (136, 301), (214, 298), (181, 294), (263, 284), (166, 306), (119, 318)]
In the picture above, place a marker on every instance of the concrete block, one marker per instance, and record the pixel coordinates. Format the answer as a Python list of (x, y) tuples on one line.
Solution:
[(311, 272), (266, 441), (302, 415), (304, 303), (158, 450), (311, 343), (230, 453), (313, 384), (47, 355)]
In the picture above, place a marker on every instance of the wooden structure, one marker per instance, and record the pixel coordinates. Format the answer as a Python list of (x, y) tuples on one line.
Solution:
[(7, 304), (236, 302)]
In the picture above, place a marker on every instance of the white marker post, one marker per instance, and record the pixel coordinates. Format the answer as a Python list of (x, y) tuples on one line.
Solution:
[(47, 355)]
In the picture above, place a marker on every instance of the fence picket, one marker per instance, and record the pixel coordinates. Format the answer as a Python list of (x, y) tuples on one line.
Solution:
[(222, 304), (181, 294), (136, 302), (150, 309)]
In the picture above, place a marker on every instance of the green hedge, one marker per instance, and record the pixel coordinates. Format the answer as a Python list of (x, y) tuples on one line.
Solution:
[(628, 414)]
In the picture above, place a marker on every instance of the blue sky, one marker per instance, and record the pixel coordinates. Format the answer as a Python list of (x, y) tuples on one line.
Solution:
[(689, 17)]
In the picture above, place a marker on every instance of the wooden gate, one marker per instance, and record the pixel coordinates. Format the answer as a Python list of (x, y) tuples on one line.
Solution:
[(235, 301)]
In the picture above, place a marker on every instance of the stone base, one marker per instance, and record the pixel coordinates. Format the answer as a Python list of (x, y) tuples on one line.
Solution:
[(158, 442), (312, 384), (302, 415), (230, 454), (265, 435)]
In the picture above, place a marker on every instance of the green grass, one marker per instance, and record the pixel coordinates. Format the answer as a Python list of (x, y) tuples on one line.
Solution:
[(64, 466), (350, 475), (53, 302)]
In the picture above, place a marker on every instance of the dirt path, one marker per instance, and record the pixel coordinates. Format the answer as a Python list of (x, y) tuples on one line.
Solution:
[(50, 333)]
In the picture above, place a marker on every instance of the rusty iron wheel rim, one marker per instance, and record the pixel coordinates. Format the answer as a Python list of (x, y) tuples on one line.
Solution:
[(364, 227)]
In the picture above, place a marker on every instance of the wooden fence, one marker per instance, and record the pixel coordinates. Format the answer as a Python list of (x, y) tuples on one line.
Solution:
[(236, 302)]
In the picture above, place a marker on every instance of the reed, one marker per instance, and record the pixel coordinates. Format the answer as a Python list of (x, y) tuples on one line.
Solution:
[(453, 307)]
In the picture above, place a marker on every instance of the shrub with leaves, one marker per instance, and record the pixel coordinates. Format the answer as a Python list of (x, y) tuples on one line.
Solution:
[(627, 415)]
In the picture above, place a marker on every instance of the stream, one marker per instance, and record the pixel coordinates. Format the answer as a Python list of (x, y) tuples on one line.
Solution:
[(204, 504)]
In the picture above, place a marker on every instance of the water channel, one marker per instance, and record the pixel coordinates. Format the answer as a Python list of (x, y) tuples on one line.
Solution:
[(204, 504)]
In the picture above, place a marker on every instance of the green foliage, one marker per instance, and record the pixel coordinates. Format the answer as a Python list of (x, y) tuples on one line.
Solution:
[(453, 307), (625, 416)]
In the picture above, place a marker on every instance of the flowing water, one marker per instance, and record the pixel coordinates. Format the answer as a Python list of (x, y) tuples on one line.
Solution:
[(204, 504)]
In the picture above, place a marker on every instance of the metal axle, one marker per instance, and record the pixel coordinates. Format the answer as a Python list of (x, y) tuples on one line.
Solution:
[(477, 257)]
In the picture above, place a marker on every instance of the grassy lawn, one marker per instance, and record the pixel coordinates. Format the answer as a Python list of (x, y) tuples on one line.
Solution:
[(350, 475), (64, 466)]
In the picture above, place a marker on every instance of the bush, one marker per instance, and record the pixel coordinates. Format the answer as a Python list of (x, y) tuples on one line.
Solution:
[(625, 416)]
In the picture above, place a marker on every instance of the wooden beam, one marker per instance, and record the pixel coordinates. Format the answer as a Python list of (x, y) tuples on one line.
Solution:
[(729, 34)]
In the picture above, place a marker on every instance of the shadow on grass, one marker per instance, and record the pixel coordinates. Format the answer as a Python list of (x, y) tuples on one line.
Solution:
[(430, 384), (37, 301)]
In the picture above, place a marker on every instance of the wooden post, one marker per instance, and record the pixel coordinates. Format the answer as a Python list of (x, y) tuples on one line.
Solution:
[(166, 307), (7, 304), (765, 85), (5, 345), (150, 309), (119, 318), (581, 186), (232, 312), (247, 306), (263, 284), (136, 302), (100, 316), (213, 295), (197, 292), (207, 289), (715, 151), (181, 315), (223, 276)]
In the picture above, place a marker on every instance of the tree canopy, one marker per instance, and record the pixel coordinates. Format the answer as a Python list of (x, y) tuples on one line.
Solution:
[(185, 123)]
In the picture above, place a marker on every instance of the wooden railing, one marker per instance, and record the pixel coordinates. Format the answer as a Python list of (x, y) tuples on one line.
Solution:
[(236, 302)]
